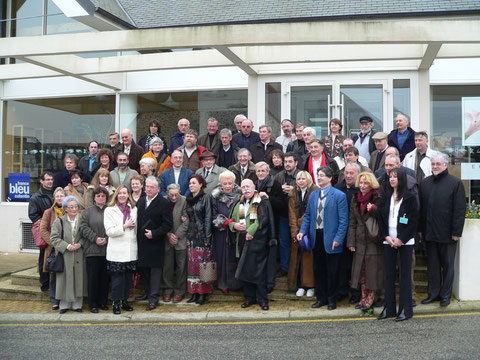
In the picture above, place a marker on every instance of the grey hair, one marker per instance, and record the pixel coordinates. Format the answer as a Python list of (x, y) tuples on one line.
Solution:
[(153, 178), (148, 161), (285, 120), (269, 128), (355, 165), (405, 116), (309, 129), (68, 199), (178, 123), (227, 174), (173, 186), (397, 159), (243, 117), (72, 157), (155, 140), (261, 164), (226, 131), (242, 150), (212, 119), (439, 155)]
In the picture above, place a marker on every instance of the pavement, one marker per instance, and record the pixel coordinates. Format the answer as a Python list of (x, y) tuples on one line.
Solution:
[(14, 311)]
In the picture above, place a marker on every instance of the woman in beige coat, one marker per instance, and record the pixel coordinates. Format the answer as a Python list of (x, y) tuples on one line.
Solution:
[(65, 239)]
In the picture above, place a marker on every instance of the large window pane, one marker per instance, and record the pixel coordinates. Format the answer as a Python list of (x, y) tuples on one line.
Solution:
[(29, 17), (38, 133), (273, 104), (401, 98), (58, 23)]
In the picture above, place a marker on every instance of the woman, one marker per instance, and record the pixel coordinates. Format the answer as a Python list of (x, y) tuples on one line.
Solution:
[(368, 264), (153, 131), (334, 141), (120, 220), (65, 239), (136, 184), (300, 272), (397, 225), (162, 160), (223, 200), (103, 179), (198, 238), (94, 243), (77, 187), (275, 158), (107, 162), (48, 218), (147, 167)]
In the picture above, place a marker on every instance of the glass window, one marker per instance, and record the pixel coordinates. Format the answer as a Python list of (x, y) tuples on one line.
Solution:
[(401, 98), (58, 23), (28, 15), (38, 133), (446, 130), (273, 98)]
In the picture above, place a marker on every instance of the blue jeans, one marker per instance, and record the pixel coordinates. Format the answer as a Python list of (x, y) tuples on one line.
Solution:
[(284, 239)]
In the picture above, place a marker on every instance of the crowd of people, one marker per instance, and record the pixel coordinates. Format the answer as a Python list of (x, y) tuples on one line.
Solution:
[(333, 215)]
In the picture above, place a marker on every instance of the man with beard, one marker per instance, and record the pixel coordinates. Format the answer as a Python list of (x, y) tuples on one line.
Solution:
[(363, 141), (288, 136), (122, 173), (191, 151)]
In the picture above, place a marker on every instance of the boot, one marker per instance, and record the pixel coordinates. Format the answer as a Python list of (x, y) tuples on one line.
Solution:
[(193, 299), (126, 306), (201, 299), (116, 307)]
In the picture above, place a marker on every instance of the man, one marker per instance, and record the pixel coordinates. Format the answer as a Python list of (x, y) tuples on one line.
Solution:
[(247, 137), (442, 216), (298, 146), (287, 178), (261, 149), (89, 164), (238, 123), (122, 173), (352, 156), (177, 174), (153, 223), (134, 151), (39, 202), (318, 158), (347, 186), (326, 222), (62, 178), (191, 151), (391, 150), (288, 135), (177, 139), (114, 143), (363, 140), (377, 158), (175, 259), (244, 168), (253, 226), (211, 140), (419, 160), (341, 158), (403, 137), (210, 171), (227, 153), (309, 134)]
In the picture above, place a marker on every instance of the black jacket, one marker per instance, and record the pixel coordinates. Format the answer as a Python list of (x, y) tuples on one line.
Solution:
[(146, 147), (275, 195), (442, 207), (136, 153), (350, 192), (39, 202), (408, 209), (409, 144), (329, 161), (204, 140), (259, 153), (84, 165), (298, 147)]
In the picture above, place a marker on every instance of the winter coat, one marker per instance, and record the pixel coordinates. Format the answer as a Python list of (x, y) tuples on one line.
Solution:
[(84, 165), (244, 142), (164, 159), (92, 227), (371, 142), (39, 202), (136, 153), (425, 165), (212, 179), (175, 142), (49, 216), (70, 190), (409, 144), (122, 244), (200, 218), (146, 147), (126, 182), (179, 227), (204, 140), (298, 147), (275, 195), (329, 161), (88, 196), (250, 174), (259, 153)]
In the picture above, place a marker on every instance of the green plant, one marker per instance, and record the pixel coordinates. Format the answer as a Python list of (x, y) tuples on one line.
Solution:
[(473, 211)]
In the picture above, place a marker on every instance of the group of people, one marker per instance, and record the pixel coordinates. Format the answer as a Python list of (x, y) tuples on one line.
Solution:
[(331, 214)]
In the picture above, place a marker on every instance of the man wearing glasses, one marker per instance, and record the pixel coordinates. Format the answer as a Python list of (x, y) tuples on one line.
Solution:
[(247, 137)]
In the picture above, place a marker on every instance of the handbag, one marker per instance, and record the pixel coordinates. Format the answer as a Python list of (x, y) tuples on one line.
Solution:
[(55, 262), (372, 230), (208, 270), (37, 238)]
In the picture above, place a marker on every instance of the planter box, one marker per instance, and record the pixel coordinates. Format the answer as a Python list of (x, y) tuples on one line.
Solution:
[(466, 285)]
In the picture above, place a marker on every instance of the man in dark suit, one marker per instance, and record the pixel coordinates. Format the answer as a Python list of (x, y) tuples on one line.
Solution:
[(261, 149), (403, 137), (211, 140), (176, 175), (134, 151), (227, 153), (154, 221), (247, 137)]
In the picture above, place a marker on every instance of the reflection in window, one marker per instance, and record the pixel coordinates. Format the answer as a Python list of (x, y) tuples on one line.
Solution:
[(58, 23), (28, 15), (273, 107), (401, 98)]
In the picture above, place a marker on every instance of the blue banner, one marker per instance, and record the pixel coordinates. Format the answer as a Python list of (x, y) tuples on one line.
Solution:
[(18, 186)]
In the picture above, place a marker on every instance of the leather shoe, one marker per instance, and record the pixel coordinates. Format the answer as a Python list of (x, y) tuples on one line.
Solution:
[(193, 299), (318, 304), (332, 306), (116, 307), (104, 307), (126, 305), (142, 297), (247, 304), (63, 311), (151, 307), (444, 302), (384, 315), (177, 299), (401, 316), (94, 310), (430, 300), (264, 307), (201, 299), (167, 297), (78, 310)]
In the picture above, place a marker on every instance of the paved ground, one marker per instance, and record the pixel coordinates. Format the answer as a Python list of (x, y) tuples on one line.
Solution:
[(12, 262)]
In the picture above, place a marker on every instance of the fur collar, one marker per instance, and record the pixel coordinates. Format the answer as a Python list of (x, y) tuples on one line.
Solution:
[(219, 195)]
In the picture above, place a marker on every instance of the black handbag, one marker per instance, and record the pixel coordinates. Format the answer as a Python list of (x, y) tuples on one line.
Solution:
[(55, 262)]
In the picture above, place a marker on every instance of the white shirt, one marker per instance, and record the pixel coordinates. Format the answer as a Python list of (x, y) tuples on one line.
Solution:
[(393, 221), (176, 173), (126, 149), (316, 165), (148, 202)]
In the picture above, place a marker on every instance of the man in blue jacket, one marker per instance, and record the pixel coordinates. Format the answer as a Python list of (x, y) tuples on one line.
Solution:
[(403, 137), (326, 222)]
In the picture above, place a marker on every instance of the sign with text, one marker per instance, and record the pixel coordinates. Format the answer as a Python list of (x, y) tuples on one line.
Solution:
[(18, 186), (470, 171)]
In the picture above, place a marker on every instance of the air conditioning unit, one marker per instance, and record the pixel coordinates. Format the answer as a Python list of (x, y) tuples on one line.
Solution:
[(27, 244)]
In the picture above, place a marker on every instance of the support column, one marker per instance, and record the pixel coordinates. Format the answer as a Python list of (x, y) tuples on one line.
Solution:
[(253, 100), (424, 120)]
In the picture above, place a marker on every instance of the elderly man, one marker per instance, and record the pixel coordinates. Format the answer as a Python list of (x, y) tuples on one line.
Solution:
[(298, 146), (392, 162), (377, 158), (403, 137), (318, 158), (238, 120), (442, 216), (114, 143), (253, 226), (89, 164), (392, 150), (154, 221), (326, 222), (177, 139), (288, 135), (210, 171), (244, 168), (175, 259), (261, 149), (352, 156), (341, 158), (134, 151), (191, 151), (62, 178), (363, 140), (177, 174), (227, 153), (247, 137), (122, 173), (211, 140), (419, 160)]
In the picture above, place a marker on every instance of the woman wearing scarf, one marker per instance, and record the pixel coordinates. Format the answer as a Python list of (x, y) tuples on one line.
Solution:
[(120, 220), (153, 132), (77, 188), (368, 263), (199, 238), (162, 160)]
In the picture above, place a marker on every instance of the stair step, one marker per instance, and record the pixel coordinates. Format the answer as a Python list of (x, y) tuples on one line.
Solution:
[(29, 277), (9, 291)]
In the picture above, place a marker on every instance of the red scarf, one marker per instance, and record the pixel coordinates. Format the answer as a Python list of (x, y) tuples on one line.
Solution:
[(364, 199), (310, 167)]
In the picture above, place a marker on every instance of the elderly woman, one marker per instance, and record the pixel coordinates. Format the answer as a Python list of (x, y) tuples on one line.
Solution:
[(77, 187), (107, 162), (223, 199), (101, 179), (300, 272), (65, 239), (333, 142), (94, 243), (120, 218), (147, 167), (136, 184), (199, 237), (368, 264), (276, 157), (162, 160), (153, 131), (48, 218)]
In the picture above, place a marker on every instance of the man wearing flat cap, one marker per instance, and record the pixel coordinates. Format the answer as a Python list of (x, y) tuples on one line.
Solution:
[(363, 141), (377, 159), (210, 171)]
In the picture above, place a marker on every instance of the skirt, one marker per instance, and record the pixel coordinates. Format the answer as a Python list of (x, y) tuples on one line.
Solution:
[(195, 256)]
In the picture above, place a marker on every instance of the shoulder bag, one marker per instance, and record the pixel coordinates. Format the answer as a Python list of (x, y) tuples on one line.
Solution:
[(55, 262)]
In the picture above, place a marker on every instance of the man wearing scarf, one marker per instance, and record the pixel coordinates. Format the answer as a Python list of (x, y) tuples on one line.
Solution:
[(316, 159), (252, 222)]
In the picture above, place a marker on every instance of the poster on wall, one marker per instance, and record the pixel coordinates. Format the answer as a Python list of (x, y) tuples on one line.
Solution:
[(471, 121), (18, 187)]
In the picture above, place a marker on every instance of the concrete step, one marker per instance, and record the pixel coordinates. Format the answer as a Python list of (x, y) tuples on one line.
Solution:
[(10, 291), (29, 277)]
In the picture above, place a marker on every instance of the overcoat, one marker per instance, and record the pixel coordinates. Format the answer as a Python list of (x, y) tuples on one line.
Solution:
[(49, 216)]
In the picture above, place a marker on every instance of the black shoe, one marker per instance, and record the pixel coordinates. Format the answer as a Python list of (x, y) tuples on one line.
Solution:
[(445, 302), (116, 307), (201, 299), (354, 300), (79, 310), (358, 306), (126, 305), (318, 304), (63, 311), (379, 303), (247, 304), (430, 300), (332, 306), (340, 297), (104, 307), (193, 299), (401, 316), (55, 307), (94, 310), (141, 298), (365, 307), (264, 307), (384, 314)]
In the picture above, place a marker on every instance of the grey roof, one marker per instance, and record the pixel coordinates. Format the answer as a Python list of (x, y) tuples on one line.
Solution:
[(167, 13), (113, 7)]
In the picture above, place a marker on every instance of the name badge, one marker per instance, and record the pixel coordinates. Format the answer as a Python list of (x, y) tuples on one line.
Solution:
[(403, 220)]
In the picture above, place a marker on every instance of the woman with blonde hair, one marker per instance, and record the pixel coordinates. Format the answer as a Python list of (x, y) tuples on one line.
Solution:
[(101, 179)]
